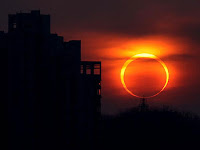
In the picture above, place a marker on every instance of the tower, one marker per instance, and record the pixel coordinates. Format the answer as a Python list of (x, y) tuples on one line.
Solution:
[(143, 106)]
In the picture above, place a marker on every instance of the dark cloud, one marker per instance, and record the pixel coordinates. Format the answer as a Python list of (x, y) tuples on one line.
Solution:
[(179, 57), (172, 57), (129, 18)]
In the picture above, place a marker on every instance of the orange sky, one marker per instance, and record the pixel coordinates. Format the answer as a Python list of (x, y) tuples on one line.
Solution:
[(113, 51), (114, 30)]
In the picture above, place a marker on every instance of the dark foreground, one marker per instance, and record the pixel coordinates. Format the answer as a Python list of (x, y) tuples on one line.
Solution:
[(151, 129)]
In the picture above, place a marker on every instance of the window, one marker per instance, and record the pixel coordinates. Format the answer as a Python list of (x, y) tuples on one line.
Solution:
[(88, 69), (14, 25), (99, 92), (81, 69), (97, 69)]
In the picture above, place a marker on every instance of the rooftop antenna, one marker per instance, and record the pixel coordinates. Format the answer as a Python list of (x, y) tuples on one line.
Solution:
[(143, 106)]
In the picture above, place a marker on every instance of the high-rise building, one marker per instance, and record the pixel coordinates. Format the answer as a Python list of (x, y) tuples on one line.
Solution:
[(53, 96)]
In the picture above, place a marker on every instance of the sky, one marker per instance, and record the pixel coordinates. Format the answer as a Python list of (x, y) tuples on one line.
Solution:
[(112, 31)]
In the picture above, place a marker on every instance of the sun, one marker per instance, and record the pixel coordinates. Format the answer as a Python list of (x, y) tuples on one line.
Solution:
[(144, 55)]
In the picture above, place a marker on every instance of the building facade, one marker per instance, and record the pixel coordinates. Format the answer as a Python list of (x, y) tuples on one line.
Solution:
[(54, 98)]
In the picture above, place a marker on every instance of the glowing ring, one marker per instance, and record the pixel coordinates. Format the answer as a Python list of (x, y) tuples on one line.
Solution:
[(144, 55)]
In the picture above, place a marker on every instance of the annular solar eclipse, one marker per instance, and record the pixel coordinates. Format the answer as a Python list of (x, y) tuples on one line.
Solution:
[(143, 55)]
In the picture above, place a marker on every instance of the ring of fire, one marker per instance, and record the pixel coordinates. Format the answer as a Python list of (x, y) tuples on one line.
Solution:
[(143, 55)]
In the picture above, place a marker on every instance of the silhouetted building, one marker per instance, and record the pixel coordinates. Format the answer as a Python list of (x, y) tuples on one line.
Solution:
[(91, 95), (53, 101)]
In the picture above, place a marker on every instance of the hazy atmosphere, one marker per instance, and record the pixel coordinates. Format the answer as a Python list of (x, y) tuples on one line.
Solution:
[(113, 31)]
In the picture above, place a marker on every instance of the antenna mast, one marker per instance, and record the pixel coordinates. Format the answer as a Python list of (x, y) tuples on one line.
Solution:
[(143, 106)]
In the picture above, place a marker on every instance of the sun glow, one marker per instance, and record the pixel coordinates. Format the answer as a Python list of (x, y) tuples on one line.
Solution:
[(143, 55)]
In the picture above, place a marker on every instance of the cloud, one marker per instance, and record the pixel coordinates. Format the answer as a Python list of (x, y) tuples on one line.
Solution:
[(129, 18), (178, 57), (172, 57)]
